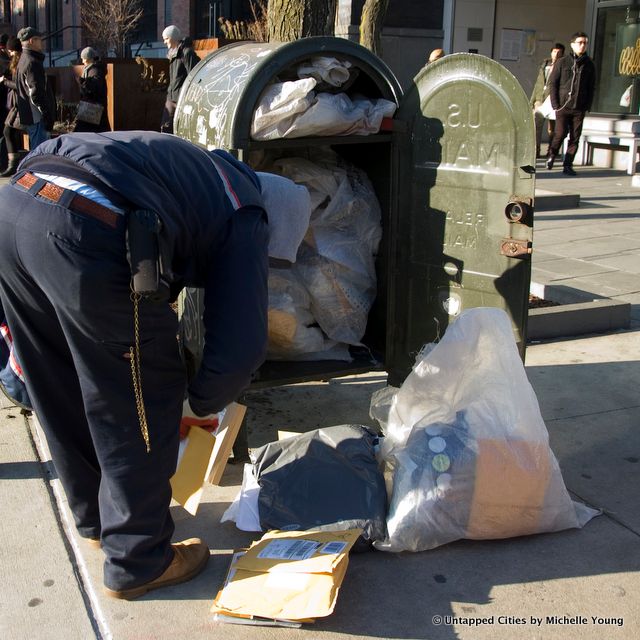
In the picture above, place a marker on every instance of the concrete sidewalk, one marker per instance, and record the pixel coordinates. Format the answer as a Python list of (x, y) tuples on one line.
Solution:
[(594, 248), (588, 392)]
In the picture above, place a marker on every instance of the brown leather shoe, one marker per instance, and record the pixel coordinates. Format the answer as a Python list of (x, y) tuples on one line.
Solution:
[(94, 543), (190, 559)]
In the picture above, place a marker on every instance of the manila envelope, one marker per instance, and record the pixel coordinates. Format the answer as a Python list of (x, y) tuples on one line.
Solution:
[(223, 615), (193, 468), (290, 575), (203, 457), (226, 434)]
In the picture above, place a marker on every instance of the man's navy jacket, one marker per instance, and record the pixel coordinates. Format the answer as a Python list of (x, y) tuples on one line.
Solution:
[(194, 192)]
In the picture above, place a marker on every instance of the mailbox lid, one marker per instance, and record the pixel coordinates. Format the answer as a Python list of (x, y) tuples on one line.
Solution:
[(468, 152), (221, 93)]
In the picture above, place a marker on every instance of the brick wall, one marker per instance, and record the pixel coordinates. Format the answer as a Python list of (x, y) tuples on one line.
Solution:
[(180, 15)]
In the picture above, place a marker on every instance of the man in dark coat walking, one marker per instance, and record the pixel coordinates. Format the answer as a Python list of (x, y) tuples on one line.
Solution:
[(182, 58), (35, 107), (572, 85)]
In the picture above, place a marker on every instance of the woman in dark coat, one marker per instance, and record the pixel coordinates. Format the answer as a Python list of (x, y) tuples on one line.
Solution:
[(12, 131), (93, 88)]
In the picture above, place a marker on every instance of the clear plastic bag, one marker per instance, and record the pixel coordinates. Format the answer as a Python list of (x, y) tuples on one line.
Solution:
[(327, 70), (279, 106), (336, 261), (293, 333), (466, 452), (293, 109)]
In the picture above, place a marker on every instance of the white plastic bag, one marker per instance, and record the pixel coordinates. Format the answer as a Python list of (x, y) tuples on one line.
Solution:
[(332, 71), (288, 207), (337, 115), (625, 98), (293, 110), (244, 508), (278, 108), (336, 261), (546, 110), (293, 333), (466, 451)]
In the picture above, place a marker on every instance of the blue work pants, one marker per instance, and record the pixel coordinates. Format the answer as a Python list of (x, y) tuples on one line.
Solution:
[(65, 288)]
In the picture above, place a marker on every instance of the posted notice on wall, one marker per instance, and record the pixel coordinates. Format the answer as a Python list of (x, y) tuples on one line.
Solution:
[(511, 44)]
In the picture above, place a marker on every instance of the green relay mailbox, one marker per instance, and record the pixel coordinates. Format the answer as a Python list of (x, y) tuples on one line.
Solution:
[(453, 172)]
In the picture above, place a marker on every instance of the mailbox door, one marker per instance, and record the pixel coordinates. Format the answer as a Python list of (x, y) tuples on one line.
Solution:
[(462, 232)]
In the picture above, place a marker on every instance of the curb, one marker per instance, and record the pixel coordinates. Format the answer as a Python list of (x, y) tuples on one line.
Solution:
[(577, 313)]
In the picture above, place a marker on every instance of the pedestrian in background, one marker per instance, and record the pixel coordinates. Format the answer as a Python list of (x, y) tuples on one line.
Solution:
[(98, 347), (5, 59), (93, 89), (35, 106), (540, 94), (13, 131), (182, 58), (572, 85), (436, 54)]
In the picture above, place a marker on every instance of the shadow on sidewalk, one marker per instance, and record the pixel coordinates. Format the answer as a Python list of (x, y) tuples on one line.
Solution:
[(592, 413)]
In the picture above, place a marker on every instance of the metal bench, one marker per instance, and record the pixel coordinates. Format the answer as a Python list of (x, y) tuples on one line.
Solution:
[(610, 134)]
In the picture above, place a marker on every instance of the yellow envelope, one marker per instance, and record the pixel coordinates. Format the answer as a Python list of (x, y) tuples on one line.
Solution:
[(193, 468), (204, 457), (226, 435), (226, 616), (290, 575)]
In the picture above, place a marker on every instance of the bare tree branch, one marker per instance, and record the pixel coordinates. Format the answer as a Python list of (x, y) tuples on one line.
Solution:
[(109, 24)]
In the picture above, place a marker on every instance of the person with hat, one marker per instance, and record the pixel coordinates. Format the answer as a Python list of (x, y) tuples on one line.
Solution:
[(5, 59), (93, 89), (98, 233), (436, 54), (12, 132), (541, 93), (182, 58), (3, 48), (36, 107)]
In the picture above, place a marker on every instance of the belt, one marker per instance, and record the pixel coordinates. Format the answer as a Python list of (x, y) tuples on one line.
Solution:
[(73, 201)]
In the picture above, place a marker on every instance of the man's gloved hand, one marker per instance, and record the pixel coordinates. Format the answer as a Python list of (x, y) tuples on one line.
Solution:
[(190, 419)]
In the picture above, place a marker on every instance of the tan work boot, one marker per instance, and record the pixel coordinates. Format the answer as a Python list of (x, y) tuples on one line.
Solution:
[(190, 559), (94, 543)]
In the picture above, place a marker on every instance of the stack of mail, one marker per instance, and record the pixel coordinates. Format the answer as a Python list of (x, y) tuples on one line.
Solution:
[(287, 576)]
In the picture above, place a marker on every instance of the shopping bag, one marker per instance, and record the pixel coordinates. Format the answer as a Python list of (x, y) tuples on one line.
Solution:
[(546, 109), (90, 112)]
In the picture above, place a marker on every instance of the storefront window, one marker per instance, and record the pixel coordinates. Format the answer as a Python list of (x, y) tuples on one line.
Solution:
[(617, 60), (147, 28), (206, 16)]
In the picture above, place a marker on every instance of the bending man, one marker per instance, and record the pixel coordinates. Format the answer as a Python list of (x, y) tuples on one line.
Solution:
[(101, 363)]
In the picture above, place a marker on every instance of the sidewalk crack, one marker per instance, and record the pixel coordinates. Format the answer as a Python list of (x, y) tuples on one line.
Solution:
[(591, 413), (48, 473)]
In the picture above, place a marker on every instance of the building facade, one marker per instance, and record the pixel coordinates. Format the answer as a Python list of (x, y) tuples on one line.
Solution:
[(517, 33)]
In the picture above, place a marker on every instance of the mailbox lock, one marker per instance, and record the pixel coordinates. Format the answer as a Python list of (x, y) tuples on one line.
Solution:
[(515, 248), (517, 210)]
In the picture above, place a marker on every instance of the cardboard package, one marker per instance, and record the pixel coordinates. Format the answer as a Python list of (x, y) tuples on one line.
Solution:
[(287, 576), (203, 457), (511, 481)]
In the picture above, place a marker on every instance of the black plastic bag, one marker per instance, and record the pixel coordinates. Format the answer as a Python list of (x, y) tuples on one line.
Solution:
[(324, 479)]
